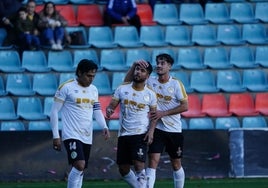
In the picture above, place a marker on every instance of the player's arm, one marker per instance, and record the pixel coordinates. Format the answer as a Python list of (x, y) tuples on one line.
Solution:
[(150, 134), (54, 122), (111, 107), (177, 110), (99, 117)]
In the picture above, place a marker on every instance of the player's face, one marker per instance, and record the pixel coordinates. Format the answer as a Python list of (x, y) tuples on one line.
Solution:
[(162, 66), (86, 78), (140, 74)]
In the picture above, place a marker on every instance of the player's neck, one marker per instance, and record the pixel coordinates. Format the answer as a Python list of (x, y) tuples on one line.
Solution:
[(163, 78), (138, 86)]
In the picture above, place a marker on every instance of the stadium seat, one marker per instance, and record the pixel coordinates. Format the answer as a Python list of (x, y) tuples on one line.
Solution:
[(35, 61), (127, 37), (117, 79), (103, 84), (261, 103), (242, 57), (78, 55), (204, 35), (105, 101), (242, 104), (8, 109), (227, 123), (194, 107), (3, 35), (68, 12), (215, 105), (152, 36), (166, 14), (242, 12), (217, 58), (254, 34), (184, 124), (203, 81), (39, 126), (230, 35), (61, 61), (10, 61), (83, 42), (19, 84), (45, 84), (156, 51), (57, 2), (255, 80), (12, 126), (81, 2), (3, 91), (192, 14), (184, 78), (30, 108), (146, 14), (217, 13), (178, 35), (113, 60), (65, 77), (203, 123), (190, 58), (254, 122), (135, 54), (89, 15), (48, 101), (261, 11), (101, 37), (230, 81), (261, 56), (114, 124)]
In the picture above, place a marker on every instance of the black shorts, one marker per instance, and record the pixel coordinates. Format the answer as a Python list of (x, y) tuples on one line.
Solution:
[(171, 142), (131, 148), (77, 150)]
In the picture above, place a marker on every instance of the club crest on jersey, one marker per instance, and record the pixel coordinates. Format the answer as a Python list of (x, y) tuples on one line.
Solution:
[(170, 90), (146, 98), (73, 155)]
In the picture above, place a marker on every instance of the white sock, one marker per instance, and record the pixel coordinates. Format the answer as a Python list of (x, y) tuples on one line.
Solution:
[(179, 178), (142, 180), (131, 179), (150, 174), (74, 178), (79, 185)]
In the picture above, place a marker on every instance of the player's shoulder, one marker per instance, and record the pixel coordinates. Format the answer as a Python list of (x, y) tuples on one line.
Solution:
[(66, 83)]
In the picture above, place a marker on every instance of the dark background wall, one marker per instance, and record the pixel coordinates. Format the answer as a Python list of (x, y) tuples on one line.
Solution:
[(28, 155)]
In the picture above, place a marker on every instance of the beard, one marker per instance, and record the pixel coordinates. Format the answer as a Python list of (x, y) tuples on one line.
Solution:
[(138, 80)]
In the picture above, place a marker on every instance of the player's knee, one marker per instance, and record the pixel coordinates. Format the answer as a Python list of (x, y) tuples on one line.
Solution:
[(79, 165), (123, 170)]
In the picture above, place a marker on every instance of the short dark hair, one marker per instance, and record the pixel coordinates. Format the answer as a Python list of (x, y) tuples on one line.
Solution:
[(165, 56), (86, 65), (149, 68), (22, 9)]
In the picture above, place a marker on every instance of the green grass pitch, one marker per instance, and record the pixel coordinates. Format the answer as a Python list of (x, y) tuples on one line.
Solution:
[(190, 183)]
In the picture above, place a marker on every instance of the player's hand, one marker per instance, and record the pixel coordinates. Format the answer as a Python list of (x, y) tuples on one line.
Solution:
[(142, 63), (109, 112), (57, 144), (149, 137), (106, 133)]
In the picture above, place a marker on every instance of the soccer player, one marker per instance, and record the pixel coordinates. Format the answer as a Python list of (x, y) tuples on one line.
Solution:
[(171, 101), (136, 129), (77, 99)]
